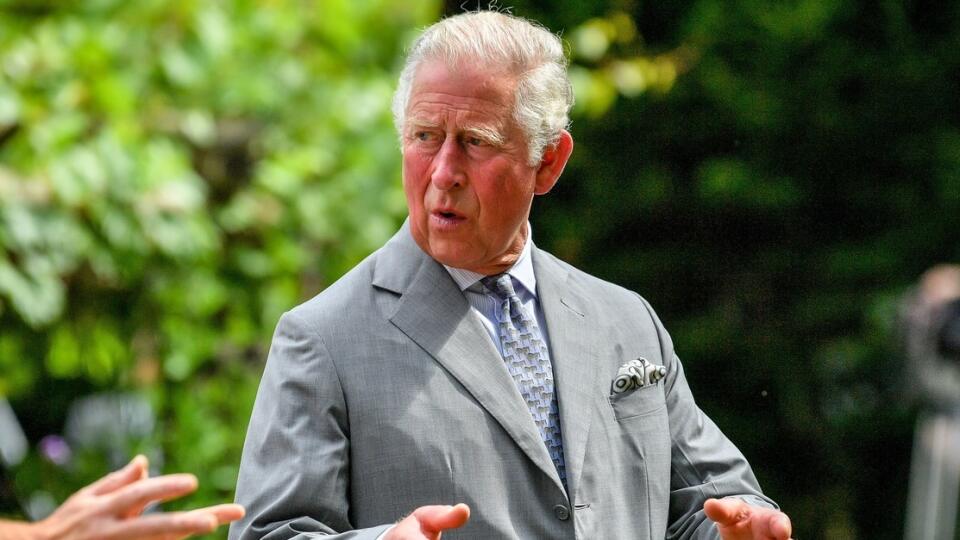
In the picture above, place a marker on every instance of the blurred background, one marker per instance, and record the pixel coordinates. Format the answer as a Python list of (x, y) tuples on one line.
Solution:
[(174, 175)]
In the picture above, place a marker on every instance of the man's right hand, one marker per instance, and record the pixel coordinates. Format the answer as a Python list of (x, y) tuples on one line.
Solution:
[(429, 522)]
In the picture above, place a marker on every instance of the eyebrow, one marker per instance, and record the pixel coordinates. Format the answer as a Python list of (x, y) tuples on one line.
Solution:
[(414, 123), (488, 133)]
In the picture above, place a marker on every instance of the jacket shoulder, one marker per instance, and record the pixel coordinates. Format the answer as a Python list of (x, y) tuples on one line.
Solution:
[(596, 287), (348, 296)]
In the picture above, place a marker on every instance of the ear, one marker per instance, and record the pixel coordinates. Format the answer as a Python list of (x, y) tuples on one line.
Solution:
[(554, 160)]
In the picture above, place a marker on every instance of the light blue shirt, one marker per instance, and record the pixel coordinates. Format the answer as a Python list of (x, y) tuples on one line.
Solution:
[(488, 307)]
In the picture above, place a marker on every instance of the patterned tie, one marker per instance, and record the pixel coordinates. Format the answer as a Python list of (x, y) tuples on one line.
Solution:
[(526, 357)]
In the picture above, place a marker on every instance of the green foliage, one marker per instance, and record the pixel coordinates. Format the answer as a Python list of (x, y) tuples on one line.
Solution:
[(174, 176)]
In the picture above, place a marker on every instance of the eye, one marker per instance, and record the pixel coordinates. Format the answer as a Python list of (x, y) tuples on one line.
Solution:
[(476, 141), (425, 138)]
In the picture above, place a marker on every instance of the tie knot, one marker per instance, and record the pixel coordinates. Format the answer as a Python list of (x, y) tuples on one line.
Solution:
[(500, 285)]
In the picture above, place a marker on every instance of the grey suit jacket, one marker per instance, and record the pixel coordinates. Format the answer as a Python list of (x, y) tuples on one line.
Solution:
[(385, 393)]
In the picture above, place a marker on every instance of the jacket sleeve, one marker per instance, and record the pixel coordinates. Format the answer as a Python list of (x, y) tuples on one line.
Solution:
[(295, 473), (704, 463)]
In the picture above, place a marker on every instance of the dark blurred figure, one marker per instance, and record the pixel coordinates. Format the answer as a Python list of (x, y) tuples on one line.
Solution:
[(931, 320)]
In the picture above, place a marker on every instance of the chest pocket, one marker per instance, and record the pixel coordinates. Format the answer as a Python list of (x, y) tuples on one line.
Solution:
[(640, 402)]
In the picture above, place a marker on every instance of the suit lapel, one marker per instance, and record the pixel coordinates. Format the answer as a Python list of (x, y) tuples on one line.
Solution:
[(433, 312), (573, 353)]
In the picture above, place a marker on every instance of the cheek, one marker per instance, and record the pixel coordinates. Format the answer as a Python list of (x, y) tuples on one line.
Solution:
[(413, 177), (506, 194)]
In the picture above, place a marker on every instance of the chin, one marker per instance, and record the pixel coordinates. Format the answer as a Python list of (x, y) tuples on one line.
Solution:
[(450, 255)]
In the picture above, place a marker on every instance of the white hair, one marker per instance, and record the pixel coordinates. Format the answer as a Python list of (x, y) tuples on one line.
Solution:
[(523, 48)]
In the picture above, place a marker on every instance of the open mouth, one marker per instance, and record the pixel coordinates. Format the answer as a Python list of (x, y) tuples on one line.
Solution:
[(446, 218), (447, 213)]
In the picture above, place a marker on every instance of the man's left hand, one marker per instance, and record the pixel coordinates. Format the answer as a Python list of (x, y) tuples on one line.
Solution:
[(737, 520)]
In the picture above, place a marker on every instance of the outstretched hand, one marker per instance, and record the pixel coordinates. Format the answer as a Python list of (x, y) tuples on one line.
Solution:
[(109, 509), (429, 522), (737, 520)]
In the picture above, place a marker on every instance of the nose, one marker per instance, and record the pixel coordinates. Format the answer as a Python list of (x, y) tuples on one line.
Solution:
[(448, 170)]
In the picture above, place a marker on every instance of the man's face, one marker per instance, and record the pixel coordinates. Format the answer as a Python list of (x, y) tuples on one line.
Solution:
[(465, 172)]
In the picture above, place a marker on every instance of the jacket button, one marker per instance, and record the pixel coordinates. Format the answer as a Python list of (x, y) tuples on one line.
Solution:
[(562, 512)]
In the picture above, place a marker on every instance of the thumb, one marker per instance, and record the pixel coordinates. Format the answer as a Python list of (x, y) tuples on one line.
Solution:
[(440, 518), (726, 511)]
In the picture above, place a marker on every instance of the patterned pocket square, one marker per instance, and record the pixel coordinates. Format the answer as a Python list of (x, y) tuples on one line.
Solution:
[(637, 374)]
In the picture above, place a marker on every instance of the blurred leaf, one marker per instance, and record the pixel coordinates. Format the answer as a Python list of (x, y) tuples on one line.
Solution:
[(175, 176), (38, 296)]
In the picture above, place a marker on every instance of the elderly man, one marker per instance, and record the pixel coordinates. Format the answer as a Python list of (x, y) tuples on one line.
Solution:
[(461, 364)]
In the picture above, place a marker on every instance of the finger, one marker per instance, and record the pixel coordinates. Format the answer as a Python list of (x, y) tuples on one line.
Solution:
[(160, 488), (726, 511), (774, 524), (138, 509), (162, 525), (141, 461), (440, 518), (224, 513), (133, 471)]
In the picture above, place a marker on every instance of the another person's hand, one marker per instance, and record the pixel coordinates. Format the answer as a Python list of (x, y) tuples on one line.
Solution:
[(429, 522), (109, 509), (737, 520)]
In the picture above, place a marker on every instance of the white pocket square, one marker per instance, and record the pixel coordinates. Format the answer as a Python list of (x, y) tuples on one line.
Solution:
[(637, 374)]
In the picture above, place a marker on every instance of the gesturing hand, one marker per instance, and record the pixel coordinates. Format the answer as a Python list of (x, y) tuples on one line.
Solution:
[(429, 522), (109, 509), (738, 520)]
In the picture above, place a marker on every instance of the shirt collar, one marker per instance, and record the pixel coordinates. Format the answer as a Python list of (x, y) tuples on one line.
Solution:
[(521, 271)]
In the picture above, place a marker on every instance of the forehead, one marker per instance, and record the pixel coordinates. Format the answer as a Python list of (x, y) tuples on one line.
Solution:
[(439, 90)]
